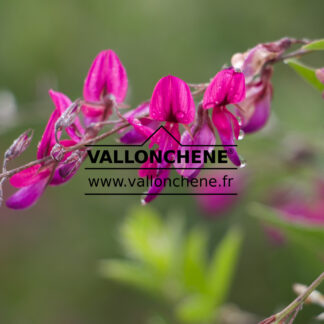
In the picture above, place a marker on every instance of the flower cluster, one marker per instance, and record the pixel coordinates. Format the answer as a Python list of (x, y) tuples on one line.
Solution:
[(255, 109), (171, 105), (104, 87), (236, 100)]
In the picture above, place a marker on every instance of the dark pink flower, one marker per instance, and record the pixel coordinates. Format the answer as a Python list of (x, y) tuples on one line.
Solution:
[(227, 87), (107, 77), (172, 103), (215, 205), (252, 62), (201, 138), (33, 181), (255, 109), (299, 209), (294, 207), (140, 121)]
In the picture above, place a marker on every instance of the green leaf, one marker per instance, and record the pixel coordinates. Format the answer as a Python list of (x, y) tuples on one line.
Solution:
[(195, 309), (223, 263), (306, 72), (146, 238), (203, 307), (194, 263), (307, 235), (130, 273), (317, 45)]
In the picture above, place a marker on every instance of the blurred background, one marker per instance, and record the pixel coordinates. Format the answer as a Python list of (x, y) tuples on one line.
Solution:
[(49, 254)]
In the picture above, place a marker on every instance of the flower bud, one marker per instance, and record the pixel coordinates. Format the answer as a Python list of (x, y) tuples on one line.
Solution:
[(57, 152), (71, 164), (68, 117), (19, 145)]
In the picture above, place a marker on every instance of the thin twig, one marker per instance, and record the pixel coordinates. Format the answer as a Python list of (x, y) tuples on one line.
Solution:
[(293, 306), (80, 145)]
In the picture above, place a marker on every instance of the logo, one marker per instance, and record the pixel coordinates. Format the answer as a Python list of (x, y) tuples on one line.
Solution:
[(115, 169)]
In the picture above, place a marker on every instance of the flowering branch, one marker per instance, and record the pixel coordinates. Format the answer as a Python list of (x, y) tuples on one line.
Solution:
[(294, 307), (246, 86), (6, 174)]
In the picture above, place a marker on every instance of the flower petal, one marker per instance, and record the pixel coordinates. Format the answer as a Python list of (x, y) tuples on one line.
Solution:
[(95, 82), (29, 176), (107, 75), (228, 86), (142, 110), (203, 136), (148, 169), (172, 101), (228, 128), (116, 81), (154, 190), (167, 138), (48, 138), (135, 136), (236, 91), (262, 108), (27, 196), (58, 179), (62, 102)]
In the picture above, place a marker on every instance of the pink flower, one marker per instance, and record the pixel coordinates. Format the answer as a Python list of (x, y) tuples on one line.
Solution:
[(215, 205), (255, 109), (140, 121), (294, 207), (106, 81), (201, 134), (252, 62), (297, 209), (172, 103), (33, 181), (227, 87)]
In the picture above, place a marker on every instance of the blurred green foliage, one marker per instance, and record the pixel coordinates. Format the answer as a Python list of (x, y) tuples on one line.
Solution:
[(174, 264)]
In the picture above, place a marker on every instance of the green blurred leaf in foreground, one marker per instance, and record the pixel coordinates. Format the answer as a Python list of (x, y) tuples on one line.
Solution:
[(173, 264)]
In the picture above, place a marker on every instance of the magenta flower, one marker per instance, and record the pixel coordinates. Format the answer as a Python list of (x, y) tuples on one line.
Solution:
[(252, 62), (172, 103), (293, 207), (143, 126), (227, 87), (215, 205), (33, 181), (296, 208), (255, 109), (107, 77), (202, 134)]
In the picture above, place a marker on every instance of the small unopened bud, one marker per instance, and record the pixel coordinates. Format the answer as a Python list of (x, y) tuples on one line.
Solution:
[(57, 152), (67, 118), (19, 145), (71, 164)]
